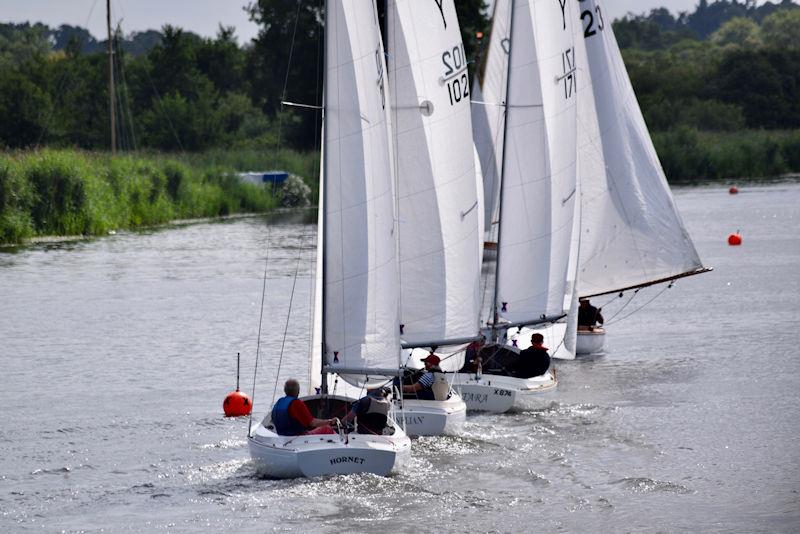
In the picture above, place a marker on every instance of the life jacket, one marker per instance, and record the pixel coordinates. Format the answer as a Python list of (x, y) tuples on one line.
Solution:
[(440, 387), (285, 424), (372, 415)]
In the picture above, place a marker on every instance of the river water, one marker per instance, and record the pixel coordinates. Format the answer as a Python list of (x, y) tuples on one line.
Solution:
[(116, 354)]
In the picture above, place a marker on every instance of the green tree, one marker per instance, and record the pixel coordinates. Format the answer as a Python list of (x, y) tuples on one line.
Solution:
[(782, 29), (738, 31)]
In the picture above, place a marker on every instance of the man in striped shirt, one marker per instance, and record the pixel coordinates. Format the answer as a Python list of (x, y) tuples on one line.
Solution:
[(424, 386)]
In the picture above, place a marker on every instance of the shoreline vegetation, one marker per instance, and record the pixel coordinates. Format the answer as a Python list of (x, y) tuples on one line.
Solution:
[(67, 192), (63, 192)]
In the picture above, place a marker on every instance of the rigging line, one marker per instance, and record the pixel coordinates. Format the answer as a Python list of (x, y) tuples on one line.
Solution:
[(283, 91), (61, 86), (643, 305), (611, 319), (160, 105), (286, 326), (258, 339), (124, 101)]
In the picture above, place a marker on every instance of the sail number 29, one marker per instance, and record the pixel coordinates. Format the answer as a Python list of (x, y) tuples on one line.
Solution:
[(455, 74)]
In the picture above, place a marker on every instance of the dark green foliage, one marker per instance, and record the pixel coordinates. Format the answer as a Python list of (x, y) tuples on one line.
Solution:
[(765, 84), (688, 155)]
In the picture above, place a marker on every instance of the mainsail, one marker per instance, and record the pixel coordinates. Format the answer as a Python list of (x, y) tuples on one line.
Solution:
[(632, 234), (360, 265), (437, 196), (538, 187)]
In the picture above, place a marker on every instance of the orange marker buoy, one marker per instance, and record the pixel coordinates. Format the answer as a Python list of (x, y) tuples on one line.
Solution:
[(733, 190), (479, 35), (237, 403), (735, 240)]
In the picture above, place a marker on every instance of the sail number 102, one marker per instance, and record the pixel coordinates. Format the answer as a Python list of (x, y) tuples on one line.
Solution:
[(455, 74)]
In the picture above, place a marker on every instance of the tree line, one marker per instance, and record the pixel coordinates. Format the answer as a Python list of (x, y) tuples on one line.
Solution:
[(727, 66)]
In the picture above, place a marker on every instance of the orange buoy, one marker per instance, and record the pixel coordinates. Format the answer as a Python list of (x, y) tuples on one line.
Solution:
[(479, 35), (237, 403), (733, 190), (735, 240)]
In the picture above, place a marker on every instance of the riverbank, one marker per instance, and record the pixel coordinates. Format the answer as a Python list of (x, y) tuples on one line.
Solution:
[(75, 193)]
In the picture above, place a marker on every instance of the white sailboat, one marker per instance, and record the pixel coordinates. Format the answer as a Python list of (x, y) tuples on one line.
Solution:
[(632, 235), (357, 285), (438, 206), (536, 248)]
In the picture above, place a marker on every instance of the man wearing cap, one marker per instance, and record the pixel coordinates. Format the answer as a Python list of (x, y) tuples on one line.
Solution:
[(372, 412), (424, 386)]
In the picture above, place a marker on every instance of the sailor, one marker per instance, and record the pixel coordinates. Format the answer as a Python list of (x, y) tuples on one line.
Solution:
[(433, 384), (291, 416), (533, 361), (472, 356), (588, 316), (370, 412)]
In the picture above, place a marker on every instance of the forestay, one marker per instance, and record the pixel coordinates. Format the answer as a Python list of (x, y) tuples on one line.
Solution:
[(632, 233), (437, 195), (488, 112), (538, 189), (361, 291)]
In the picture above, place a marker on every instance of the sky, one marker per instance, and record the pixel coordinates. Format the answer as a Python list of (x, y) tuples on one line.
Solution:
[(204, 16)]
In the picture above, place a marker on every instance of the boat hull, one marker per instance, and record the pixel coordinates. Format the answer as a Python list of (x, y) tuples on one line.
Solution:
[(327, 454), (500, 394), (590, 341), (279, 456), (431, 418)]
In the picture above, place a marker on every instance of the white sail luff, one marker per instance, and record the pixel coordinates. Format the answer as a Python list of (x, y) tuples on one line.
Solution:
[(632, 233), (488, 113), (361, 286), (438, 204)]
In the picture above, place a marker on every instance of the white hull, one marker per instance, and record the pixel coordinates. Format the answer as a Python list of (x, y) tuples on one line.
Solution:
[(590, 342), (500, 394), (327, 454), (430, 417)]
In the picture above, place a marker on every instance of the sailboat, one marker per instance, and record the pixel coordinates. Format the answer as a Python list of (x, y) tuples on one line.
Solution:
[(536, 197), (356, 287), (632, 235), (439, 223)]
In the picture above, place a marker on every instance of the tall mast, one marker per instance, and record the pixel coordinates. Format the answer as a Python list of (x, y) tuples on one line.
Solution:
[(503, 170), (323, 201), (111, 103)]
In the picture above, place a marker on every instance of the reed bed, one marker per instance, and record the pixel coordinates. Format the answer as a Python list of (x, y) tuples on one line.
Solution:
[(69, 192)]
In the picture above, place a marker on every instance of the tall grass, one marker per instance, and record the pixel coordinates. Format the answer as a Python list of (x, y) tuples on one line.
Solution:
[(67, 192)]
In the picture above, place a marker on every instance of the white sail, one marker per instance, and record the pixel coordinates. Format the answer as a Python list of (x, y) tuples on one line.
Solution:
[(632, 233), (488, 113), (539, 162), (437, 197), (361, 287)]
